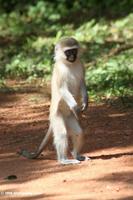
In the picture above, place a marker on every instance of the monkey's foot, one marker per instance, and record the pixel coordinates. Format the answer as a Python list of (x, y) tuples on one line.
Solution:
[(79, 157), (69, 161), (82, 158)]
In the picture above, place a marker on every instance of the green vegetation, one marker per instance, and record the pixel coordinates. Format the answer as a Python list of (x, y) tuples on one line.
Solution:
[(28, 32)]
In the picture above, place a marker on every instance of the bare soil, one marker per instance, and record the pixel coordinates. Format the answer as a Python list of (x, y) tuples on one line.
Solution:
[(108, 175)]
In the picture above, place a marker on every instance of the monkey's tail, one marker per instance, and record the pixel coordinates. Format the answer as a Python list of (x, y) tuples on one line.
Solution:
[(34, 155)]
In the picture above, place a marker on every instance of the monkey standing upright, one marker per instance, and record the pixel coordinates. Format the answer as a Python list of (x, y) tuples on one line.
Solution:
[(68, 91)]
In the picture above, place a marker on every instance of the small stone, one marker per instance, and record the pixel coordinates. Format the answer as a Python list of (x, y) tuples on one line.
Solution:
[(11, 177)]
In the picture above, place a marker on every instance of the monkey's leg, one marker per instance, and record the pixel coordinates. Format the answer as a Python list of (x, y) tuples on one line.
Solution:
[(61, 141), (77, 137), (77, 146)]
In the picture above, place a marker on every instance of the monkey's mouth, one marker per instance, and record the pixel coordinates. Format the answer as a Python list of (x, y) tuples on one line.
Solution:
[(71, 58)]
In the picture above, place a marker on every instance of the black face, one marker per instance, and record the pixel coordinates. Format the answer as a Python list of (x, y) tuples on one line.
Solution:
[(71, 54)]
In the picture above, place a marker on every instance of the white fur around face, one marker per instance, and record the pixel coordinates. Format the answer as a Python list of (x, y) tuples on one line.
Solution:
[(59, 54), (73, 47)]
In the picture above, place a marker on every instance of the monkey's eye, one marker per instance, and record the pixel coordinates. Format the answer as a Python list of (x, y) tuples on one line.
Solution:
[(70, 52), (67, 52), (74, 51)]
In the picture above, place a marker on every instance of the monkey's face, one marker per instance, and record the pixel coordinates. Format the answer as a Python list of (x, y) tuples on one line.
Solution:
[(67, 49), (71, 54)]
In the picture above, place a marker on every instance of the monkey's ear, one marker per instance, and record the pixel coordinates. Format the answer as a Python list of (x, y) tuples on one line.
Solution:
[(56, 48)]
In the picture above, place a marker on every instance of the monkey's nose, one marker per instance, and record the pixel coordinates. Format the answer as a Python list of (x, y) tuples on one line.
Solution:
[(72, 58)]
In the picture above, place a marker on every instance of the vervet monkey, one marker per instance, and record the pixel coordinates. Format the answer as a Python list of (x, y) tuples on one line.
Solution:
[(68, 91)]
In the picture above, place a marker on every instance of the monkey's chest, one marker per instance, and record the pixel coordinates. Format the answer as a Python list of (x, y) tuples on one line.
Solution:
[(73, 84)]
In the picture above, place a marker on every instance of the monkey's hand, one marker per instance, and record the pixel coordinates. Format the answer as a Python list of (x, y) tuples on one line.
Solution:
[(84, 104), (75, 110)]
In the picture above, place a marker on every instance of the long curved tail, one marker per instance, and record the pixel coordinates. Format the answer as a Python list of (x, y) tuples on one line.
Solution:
[(34, 155)]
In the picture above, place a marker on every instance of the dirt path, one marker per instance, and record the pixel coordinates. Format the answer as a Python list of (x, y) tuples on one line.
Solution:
[(108, 141)]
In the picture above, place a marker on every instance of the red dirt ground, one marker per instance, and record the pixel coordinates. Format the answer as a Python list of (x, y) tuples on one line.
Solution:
[(108, 141)]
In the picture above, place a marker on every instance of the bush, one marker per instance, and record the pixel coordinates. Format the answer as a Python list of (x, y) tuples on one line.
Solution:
[(29, 30)]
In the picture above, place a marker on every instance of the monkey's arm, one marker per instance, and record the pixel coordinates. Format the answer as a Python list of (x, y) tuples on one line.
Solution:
[(84, 95), (69, 99)]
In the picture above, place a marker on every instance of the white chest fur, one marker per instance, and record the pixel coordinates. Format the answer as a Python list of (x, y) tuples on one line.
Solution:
[(72, 76)]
